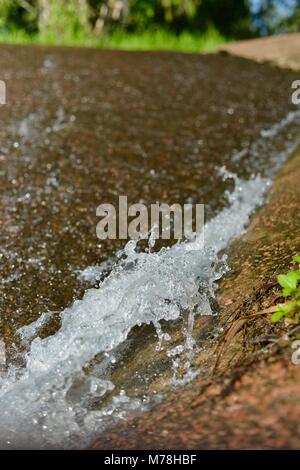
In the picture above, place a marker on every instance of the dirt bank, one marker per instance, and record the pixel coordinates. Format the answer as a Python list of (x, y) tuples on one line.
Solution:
[(281, 50)]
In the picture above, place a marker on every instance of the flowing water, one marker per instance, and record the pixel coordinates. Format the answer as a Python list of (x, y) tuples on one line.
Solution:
[(81, 128)]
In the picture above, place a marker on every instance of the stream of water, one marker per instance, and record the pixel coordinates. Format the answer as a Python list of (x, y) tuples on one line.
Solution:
[(48, 400)]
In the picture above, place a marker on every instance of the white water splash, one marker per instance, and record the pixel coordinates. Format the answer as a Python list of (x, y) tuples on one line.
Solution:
[(46, 404), (28, 332), (277, 143), (2, 353), (94, 273), (278, 127)]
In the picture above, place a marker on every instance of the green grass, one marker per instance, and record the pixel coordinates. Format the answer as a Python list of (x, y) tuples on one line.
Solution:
[(290, 284), (156, 39), (163, 40)]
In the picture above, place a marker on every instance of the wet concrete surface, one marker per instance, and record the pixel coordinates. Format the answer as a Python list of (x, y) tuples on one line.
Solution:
[(82, 127), (251, 398)]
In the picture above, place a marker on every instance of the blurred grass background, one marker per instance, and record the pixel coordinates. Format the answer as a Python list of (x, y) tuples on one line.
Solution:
[(183, 25), (153, 39)]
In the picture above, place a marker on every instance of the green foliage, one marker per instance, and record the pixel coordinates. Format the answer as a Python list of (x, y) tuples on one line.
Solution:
[(290, 284), (153, 39), (162, 39), (90, 22), (100, 17), (229, 17), (16, 14), (67, 21)]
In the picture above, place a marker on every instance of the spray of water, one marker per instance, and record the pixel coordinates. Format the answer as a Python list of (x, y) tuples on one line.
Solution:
[(46, 404), (41, 405)]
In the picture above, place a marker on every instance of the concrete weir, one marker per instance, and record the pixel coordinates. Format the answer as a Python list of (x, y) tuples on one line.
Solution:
[(168, 337)]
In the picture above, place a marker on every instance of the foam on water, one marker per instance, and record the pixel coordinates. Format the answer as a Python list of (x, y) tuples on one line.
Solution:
[(46, 403), (276, 143), (29, 331), (94, 273), (274, 130)]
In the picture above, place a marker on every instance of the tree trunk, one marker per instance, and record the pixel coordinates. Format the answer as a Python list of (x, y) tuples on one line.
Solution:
[(112, 11), (60, 17)]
